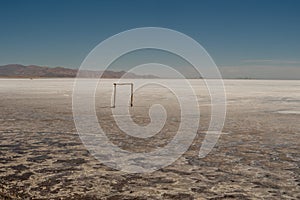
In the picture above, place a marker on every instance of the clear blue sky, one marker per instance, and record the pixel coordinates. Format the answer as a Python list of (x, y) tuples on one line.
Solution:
[(234, 32)]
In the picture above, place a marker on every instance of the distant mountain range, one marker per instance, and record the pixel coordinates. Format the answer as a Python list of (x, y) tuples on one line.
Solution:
[(34, 71)]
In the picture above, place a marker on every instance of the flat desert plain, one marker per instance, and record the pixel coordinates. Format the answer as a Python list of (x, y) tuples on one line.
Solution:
[(257, 155)]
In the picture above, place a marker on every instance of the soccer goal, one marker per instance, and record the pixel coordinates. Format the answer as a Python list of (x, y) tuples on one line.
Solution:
[(115, 93)]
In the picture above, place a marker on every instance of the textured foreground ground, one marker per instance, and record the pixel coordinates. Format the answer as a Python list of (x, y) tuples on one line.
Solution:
[(257, 157)]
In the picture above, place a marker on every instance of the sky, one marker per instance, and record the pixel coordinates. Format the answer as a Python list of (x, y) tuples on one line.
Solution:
[(246, 39)]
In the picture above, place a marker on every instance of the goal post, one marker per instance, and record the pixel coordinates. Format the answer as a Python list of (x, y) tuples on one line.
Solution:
[(115, 93)]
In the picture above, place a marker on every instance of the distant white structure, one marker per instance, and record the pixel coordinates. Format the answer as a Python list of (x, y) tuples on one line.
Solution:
[(115, 93)]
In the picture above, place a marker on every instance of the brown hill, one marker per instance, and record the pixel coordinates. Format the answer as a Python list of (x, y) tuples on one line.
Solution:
[(30, 71)]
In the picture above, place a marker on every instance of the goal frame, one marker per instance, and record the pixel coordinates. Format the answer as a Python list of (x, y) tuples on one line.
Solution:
[(115, 93)]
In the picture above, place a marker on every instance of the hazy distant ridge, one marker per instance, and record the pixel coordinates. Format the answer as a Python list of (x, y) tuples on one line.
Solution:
[(30, 71)]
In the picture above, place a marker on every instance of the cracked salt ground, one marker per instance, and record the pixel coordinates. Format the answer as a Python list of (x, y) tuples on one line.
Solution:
[(42, 157)]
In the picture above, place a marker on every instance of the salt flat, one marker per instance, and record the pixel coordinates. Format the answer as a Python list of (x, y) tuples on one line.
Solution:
[(256, 157)]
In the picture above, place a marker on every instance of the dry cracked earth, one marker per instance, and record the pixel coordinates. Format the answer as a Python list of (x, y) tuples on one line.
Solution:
[(257, 155)]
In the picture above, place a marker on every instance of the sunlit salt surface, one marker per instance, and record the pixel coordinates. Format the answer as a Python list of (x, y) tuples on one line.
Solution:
[(42, 156), (289, 112), (216, 133)]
